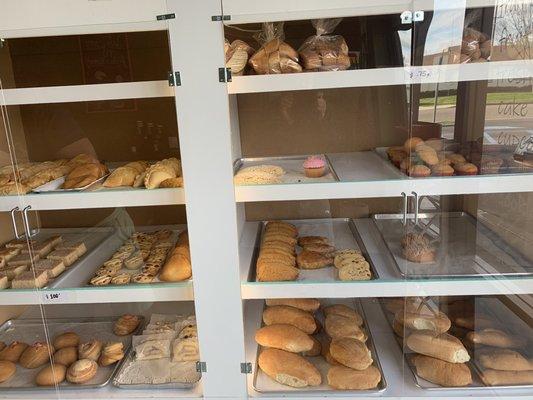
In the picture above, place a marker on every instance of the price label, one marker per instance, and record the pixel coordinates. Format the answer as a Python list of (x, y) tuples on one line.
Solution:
[(419, 74), (56, 297)]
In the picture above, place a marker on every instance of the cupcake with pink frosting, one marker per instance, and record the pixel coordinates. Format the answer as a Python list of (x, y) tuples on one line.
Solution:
[(314, 167)]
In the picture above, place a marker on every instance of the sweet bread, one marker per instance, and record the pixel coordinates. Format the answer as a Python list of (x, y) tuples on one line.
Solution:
[(321, 248), (36, 355), (66, 355), (121, 279), (312, 260), (185, 350), (81, 371), (30, 280), (309, 240), (68, 256), (111, 353), (142, 278), (51, 375), (152, 349), (13, 351), (126, 324), (7, 370), (90, 350), (101, 280), (66, 339)]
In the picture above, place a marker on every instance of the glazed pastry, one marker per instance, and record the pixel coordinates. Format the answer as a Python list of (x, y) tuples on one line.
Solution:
[(111, 353), (126, 324), (90, 350), (134, 262), (13, 351), (142, 278), (67, 339), (7, 370), (312, 260), (82, 371), (66, 355), (51, 375), (121, 279), (188, 331), (314, 167), (36, 355), (101, 280), (152, 349), (185, 350), (103, 270), (114, 263)]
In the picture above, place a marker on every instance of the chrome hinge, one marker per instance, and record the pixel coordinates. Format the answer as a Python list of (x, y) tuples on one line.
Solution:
[(221, 18), (224, 74), (246, 368), (406, 17), (418, 16), (164, 17), (2, 42), (174, 78), (201, 366)]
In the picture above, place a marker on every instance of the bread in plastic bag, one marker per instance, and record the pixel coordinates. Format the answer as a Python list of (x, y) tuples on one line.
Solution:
[(237, 54), (325, 52), (275, 56), (475, 45)]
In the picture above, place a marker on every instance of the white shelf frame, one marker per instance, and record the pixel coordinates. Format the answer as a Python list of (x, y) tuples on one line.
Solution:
[(381, 77)]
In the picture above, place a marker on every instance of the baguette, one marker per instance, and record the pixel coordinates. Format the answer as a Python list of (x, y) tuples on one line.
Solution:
[(492, 377), (351, 352), (496, 338), (284, 337), (441, 372), (343, 378), (290, 315), (288, 368), (338, 326), (438, 323), (504, 360), (443, 346), (310, 305)]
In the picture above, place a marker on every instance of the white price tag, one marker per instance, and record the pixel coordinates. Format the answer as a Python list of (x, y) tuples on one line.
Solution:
[(57, 297), (420, 74)]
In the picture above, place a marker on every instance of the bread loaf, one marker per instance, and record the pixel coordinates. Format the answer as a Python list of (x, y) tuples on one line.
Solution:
[(438, 322), (474, 322), (122, 176), (496, 338), (441, 372), (338, 326), (310, 305), (492, 377), (316, 350), (442, 346), (343, 378), (177, 268), (290, 315), (288, 368), (285, 337), (275, 272), (503, 360), (351, 352), (344, 311), (7, 370)]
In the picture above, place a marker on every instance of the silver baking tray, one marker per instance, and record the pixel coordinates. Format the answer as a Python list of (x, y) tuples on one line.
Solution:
[(264, 384), (477, 383), (32, 330), (465, 247), (342, 234), (293, 166), (110, 246)]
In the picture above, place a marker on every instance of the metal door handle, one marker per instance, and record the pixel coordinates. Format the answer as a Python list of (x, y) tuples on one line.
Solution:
[(416, 207), (13, 220), (405, 209), (26, 221)]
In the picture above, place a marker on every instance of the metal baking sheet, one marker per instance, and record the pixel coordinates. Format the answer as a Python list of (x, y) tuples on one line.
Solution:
[(56, 186), (33, 330), (341, 232), (465, 248), (262, 383), (293, 166), (106, 252)]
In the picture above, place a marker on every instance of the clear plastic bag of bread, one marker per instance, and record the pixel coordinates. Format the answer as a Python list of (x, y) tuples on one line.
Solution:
[(475, 46), (323, 51), (275, 56), (237, 54)]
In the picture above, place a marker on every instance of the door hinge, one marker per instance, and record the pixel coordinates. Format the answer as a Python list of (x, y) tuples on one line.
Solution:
[(221, 18), (406, 17), (174, 78), (418, 16), (201, 366), (224, 74), (164, 17), (246, 368)]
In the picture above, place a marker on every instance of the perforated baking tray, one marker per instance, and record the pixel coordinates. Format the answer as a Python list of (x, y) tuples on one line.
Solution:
[(262, 383)]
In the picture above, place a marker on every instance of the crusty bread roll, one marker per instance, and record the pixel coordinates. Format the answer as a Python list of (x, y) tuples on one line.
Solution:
[(66, 339), (344, 311), (177, 268), (503, 360), (492, 377), (343, 378), (438, 322), (288, 368), (50, 375), (337, 326), (310, 305), (285, 337), (474, 322), (442, 346), (290, 315), (351, 352), (315, 351), (441, 372), (496, 338)]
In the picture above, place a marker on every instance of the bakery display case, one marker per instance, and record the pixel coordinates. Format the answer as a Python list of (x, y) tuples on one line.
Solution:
[(235, 199)]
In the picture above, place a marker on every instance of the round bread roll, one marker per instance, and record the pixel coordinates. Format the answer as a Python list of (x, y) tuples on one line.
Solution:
[(13, 351), (343, 378), (36, 355), (7, 370), (285, 337), (344, 311), (351, 352), (288, 368), (51, 375), (82, 371), (67, 339), (290, 315), (66, 356)]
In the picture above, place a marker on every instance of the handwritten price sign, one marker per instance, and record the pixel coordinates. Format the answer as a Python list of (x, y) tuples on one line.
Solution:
[(56, 297)]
